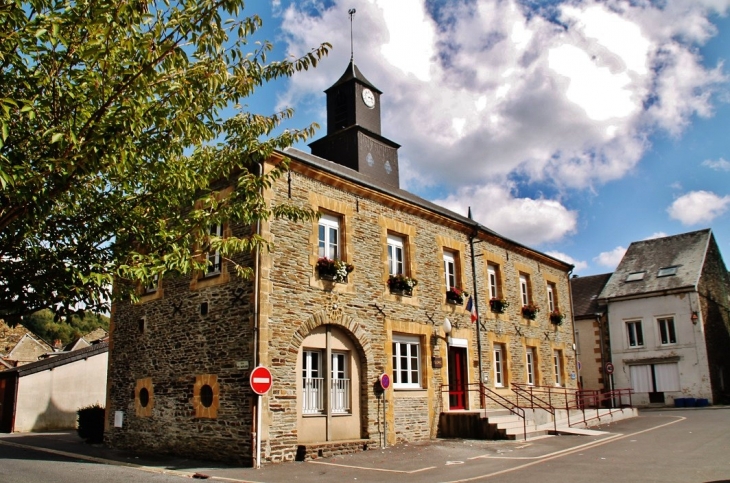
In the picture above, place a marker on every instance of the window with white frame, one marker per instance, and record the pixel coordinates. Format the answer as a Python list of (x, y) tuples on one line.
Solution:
[(153, 285), (406, 362), (552, 301), (667, 335), (312, 382), (340, 385), (498, 365), (524, 289), (531, 366), (492, 271), (634, 333), (329, 237), (396, 255), (214, 258), (450, 269), (558, 367)]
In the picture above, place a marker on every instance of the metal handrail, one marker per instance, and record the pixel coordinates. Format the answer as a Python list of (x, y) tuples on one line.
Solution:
[(575, 399), (485, 392), (522, 389)]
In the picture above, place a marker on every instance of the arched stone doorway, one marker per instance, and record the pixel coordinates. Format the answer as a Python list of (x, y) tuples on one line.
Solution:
[(329, 386)]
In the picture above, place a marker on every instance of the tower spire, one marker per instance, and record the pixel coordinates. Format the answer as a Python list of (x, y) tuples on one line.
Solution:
[(352, 52)]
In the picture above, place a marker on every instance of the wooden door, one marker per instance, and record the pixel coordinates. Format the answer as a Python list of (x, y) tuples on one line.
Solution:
[(457, 378)]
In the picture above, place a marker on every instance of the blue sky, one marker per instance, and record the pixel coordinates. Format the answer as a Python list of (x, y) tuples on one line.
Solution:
[(573, 127)]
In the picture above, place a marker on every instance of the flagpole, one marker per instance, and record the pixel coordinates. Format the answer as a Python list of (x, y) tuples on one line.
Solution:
[(476, 309)]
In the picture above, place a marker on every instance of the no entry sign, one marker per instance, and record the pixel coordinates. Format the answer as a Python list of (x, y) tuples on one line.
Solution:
[(261, 380)]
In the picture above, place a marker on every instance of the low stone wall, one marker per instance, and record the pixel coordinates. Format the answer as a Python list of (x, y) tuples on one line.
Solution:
[(312, 451)]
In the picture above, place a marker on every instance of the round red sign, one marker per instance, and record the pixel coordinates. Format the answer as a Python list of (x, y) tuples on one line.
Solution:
[(384, 381), (261, 380), (609, 368)]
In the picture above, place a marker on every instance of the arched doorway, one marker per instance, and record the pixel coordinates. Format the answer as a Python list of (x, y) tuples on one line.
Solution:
[(330, 373)]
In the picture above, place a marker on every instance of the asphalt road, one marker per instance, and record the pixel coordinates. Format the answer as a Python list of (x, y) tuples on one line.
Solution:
[(682, 446), (22, 465)]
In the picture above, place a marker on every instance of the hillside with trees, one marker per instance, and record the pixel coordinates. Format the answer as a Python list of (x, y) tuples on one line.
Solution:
[(41, 323)]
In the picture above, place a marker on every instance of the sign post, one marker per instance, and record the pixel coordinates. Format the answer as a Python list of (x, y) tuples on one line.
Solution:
[(384, 381), (260, 381)]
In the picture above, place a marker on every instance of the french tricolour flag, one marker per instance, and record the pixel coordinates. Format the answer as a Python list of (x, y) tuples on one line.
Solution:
[(471, 309)]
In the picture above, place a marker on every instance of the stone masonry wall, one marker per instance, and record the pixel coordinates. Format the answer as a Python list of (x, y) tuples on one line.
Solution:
[(178, 345), (714, 291)]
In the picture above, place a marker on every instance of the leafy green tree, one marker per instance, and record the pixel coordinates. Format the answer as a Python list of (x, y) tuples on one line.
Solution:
[(43, 325), (113, 126)]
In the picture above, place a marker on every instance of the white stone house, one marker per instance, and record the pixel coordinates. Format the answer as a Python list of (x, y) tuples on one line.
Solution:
[(668, 318)]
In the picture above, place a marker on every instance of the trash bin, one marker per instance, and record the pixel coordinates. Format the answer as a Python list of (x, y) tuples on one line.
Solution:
[(679, 402), (689, 402), (702, 402)]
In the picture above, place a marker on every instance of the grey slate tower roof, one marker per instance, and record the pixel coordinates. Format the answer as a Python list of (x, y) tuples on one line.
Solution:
[(353, 73), (684, 253)]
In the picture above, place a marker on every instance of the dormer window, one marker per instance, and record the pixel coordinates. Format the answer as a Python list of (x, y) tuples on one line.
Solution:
[(635, 277), (667, 271)]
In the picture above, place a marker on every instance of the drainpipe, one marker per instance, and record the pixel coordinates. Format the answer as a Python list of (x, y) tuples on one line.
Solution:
[(257, 273), (256, 335), (476, 310)]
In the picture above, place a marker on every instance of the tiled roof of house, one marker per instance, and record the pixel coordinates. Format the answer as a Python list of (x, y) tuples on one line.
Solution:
[(585, 291), (61, 359), (672, 263)]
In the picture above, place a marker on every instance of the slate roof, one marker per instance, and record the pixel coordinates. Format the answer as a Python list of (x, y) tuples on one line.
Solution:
[(352, 72), (61, 359), (585, 291), (686, 252), (369, 182)]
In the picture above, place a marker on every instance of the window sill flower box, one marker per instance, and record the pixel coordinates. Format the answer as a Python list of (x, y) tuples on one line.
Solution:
[(333, 270), (498, 306), (556, 318), (455, 296), (530, 311), (401, 285)]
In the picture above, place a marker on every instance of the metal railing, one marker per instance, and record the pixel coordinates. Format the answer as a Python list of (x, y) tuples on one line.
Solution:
[(486, 393), (340, 396), (313, 395), (536, 397), (551, 398)]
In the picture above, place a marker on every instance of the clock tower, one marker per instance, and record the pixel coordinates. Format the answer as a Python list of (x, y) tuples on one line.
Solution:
[(353, 129)]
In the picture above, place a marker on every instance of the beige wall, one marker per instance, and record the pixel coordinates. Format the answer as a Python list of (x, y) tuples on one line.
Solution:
[(49, 399), (589, 353)]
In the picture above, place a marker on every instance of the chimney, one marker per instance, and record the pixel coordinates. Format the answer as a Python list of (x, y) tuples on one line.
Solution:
[(57, 346)]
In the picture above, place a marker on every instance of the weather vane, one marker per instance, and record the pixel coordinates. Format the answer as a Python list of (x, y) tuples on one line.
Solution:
[(352, 53)]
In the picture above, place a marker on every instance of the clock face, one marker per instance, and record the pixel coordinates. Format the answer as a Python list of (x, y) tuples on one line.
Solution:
[(368, 98)]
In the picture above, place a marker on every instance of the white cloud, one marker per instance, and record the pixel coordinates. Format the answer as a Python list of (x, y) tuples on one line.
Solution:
[(525, 220), (612, 258), (578, 264), (698, 207), (718, 165), (481, 92)]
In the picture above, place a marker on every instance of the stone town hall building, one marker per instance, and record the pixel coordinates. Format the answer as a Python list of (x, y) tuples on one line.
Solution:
[(180, 358)]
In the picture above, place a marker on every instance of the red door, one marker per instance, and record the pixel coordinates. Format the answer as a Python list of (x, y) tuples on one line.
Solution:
[(457, 378)]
